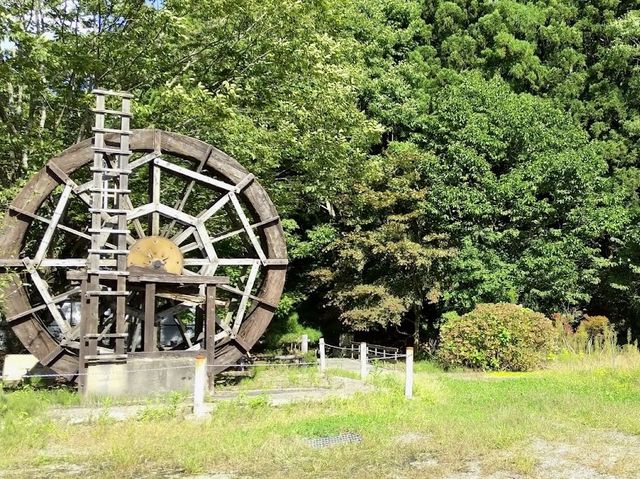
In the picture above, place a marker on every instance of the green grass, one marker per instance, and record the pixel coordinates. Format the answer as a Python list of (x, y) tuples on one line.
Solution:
[(454, 417)]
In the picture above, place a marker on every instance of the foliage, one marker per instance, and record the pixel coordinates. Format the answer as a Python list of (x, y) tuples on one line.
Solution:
[(286, 330), (424, 156), (502, 337), (594, 327)]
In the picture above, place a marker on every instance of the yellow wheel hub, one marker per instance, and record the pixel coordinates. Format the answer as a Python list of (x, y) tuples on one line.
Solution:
[(156, 253)]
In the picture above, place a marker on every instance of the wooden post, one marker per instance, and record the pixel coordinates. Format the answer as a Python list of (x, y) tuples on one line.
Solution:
[(84, 320), (210, 333), (150, 317), (363, 361), (304, 344), (199, 386), (408, 378), (323, 358)]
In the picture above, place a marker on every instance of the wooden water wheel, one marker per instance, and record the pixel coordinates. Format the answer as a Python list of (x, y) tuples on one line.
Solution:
[(181, 207)]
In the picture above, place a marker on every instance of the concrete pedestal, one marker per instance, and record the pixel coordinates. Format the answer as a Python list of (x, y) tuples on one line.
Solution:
[(140, 377)]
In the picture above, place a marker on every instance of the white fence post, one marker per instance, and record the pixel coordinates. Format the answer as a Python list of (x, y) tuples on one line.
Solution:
[(199, 386), (304, 346), (323, 358), (408, 378), (363, 361)]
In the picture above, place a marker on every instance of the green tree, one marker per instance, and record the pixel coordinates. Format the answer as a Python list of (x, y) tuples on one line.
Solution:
[(385, 260)]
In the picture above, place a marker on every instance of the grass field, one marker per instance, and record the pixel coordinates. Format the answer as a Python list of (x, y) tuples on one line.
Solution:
[(578, 413)]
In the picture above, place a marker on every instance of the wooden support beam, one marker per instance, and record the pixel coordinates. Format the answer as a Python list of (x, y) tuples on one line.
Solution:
[(235, 261), (150, 317), (84, 313), (143, 160)]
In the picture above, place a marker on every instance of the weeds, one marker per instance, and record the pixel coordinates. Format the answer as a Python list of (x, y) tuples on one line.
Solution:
[(456, 417)]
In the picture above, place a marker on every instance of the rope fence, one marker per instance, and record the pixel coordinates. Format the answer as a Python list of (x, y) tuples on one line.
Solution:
[(230, 365), (372, 356), (367, 357)]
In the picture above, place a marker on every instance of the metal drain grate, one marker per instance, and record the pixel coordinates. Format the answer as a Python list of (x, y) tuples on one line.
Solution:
[(344, 438)]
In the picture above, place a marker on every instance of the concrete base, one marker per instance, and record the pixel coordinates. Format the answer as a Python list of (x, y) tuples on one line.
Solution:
[(16, 366), (140, 377)]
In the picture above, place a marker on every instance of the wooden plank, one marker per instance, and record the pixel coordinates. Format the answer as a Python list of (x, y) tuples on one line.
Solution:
[(163, 209), (123, 202), (150, 317), (192, 175), (11, 263), (235, 261), (177, 279), (139, 211), (242, 184), (245, 296), (247, 227), (170, 212), (52, 356), (122, 94), (82, 368), (110, 112), (180, 353)]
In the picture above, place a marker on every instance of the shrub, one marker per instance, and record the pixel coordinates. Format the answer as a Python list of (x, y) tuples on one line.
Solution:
[(594, 327), (595, 334), (287, 331), (502, 336)]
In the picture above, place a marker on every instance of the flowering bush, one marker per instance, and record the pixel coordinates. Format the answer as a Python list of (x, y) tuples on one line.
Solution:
[(502, 336)]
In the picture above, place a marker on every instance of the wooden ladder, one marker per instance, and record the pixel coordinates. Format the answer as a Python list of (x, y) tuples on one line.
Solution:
[(109, 207)]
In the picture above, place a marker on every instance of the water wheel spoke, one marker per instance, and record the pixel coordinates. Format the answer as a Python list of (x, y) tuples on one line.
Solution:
[(205, 215), (43, 289), (192, 175), (55, 300), (253, 274), (182, 236), (186, 192), (154, 198), (53, 223), (247, 227)]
